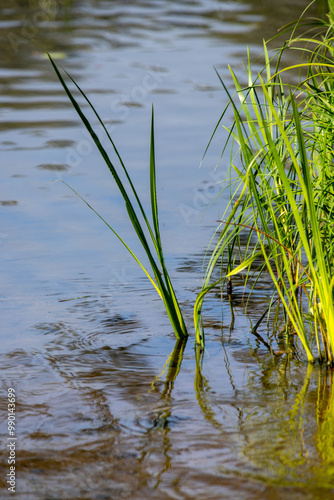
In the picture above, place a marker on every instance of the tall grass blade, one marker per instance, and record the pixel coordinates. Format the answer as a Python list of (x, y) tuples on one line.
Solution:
[(163, 283)]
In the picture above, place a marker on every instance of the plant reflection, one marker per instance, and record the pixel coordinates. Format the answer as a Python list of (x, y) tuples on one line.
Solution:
[(171, 367), (162, 417), (285, 428), (275, 421), (288, 431), (202, 389), (325, 415)]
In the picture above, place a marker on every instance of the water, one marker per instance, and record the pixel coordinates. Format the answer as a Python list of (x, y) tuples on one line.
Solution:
[(103, 411)]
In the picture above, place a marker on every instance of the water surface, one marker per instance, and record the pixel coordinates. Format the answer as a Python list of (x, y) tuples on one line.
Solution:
[(108, 405)]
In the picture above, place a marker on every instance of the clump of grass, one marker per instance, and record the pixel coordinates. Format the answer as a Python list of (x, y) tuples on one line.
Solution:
[(283, 188), (161, 280)]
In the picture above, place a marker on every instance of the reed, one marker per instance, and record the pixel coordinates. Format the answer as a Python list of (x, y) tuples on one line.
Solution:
[(135, 210), (283, 187)]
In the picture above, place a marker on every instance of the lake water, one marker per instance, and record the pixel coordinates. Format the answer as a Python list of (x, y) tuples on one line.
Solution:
[(107, 405)]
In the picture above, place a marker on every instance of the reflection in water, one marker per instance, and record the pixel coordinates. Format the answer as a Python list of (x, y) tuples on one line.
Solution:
[(285, 424), (202, 388), (325, 416), (172, 367), (163, 420), (91, 417)]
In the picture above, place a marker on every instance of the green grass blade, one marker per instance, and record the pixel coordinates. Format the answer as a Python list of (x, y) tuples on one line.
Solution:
[(164, 288), (118, 156), (174, 306), (117, 235)]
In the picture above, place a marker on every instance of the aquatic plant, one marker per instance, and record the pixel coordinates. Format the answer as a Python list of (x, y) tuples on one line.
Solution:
[(161, 281), (282, 180)]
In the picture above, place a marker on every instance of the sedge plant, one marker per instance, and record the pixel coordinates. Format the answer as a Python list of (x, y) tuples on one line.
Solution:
[(283, 188), (144, 229)]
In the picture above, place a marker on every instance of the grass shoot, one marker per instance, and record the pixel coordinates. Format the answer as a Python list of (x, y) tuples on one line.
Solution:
[(160, 279)]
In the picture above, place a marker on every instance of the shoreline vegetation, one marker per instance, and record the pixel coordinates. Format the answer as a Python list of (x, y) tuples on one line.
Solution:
[(282, 183)]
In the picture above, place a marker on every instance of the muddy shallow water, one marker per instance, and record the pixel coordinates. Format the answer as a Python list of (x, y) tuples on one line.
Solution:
[(108, 405)]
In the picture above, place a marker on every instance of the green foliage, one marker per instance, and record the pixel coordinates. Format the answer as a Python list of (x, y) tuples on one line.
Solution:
[(283, 183), (161, 280)]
